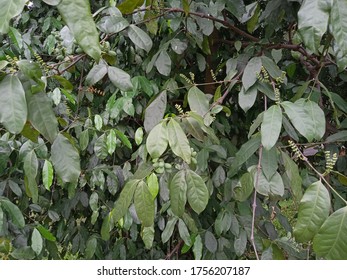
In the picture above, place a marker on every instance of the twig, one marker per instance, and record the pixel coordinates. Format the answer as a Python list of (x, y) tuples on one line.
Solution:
[(174, 250)]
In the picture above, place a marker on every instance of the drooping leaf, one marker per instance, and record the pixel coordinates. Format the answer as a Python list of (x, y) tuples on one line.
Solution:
[(96, 73), (247, 98), (79, 19), (178, 141), (155, 111), (197, 192), (250, 73), (9, 9), (178, 193), (144, 204), (271, 126), (313, 210), (331, 240), (198, 101), (157, 140), (270, 66), (31, 165), (147, 236), (184, 233), (13, 113), (65, 159), (169, 228), (272, 187), (120, 78), (140, 38), (41, 115)]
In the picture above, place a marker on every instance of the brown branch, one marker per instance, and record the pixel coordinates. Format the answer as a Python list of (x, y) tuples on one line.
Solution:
[(76, 59), (174, 250)]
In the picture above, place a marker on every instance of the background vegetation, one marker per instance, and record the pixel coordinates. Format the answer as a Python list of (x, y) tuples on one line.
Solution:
[(173, 129)]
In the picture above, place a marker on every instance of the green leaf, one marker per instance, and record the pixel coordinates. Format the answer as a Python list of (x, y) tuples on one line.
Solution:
[(192, 127), (240, 243), (123, 202), (139, 136), (36, 241), (197, 192), (84, 139), (153, 185), (271, 67), (65, 159), (163, 63), (100, 147), (178, 193), (13, 211), (244, 187), (197, 248), (140, 38), (106, 228), (313, 20), (31, 188), (178, 141), (313, 210), (272, 187), (331, 240), (91, 245), (23, 253), (9, 9), (52, 2), (340, 136), (79, 19), (123, 138), (247, 98), (293, 174), (93, 201), (210, 242), (169, 228), (120, 78), (271, 126), (249, 76), (47, 174), (157, 140), (111, 142), (113, 24), (269, 164), (307, 117), (96, 74), (184, 233), (16, 37), (98, 122), (155, 111), (198, 101), (41, 115), (13, 113), (128, 6), (147, 236), (31, 165)]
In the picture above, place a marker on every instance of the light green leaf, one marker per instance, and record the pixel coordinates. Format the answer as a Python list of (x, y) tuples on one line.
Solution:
[(198, 101), (307, 117), (16, 37), (111, 142), (13, 211), (36, 241), (178, 193), (45, 233), (163, 63), (197, 192), (13, 113), (139, 136), (147, 235), (178, 141), (79, 19), (244, 187), (247, 98), (313, 210), (293, 174), (123, 138), (120, 78), (41, 115), (84, 139), (269, 162), (313, 20), (157, 140), (9, 9), (140, 38), (123, 202), (96, 74), (98, 122), (169, 228), (271, 126), (331, 240), (47, 174), (65, 159), (155, 111), (153, 185), (184, 233), (197, 248), (250, 73), (128, 6)]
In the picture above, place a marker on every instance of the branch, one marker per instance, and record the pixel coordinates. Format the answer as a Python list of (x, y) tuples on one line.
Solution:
[(174, 250)]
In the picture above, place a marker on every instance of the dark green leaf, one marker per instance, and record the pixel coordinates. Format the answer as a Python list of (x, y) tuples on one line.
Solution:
[(244, 187), (197, 192), (247, 98), (178, 193), (271, 126), (269, 162), (23, 253), (91, 245), (163, 63), (240, 243), (144, 204), (13, 211), (128, 6)]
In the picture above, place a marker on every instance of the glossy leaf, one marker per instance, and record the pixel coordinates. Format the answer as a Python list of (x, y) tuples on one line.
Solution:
[(79, 19), (249, 76), (331, 241), (13, 113), (198, 101), (13, 211), (144, 204), (65, 159), (178, 141), (9, 9), (140, 38), (178, 193), (155, 111), (47, 174), (197, 192), (157, 140), (120, 78), (271, 126), (313, 210)]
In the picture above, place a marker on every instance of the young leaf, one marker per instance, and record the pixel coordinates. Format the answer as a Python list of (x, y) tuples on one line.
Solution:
[(79, 19), (331, 240), (139, 136), (144, 204), (47, 174), (140, 38), (198, 101), (178, 193), (13, 113), (197, 192), (313, 210), (120, 78), (157, 140), (65, 159), (178, 141), (271, 126)]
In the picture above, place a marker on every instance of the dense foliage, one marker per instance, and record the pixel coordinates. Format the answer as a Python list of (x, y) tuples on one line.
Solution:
[(209, 129)]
